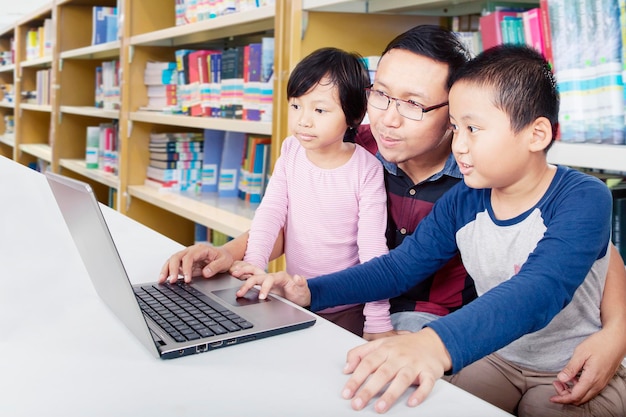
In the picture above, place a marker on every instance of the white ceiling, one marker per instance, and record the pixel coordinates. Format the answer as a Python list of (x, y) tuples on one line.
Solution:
[(13, 10)]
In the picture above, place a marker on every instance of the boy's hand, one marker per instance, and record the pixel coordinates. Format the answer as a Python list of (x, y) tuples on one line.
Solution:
[(197, 260), (401, 361), (295, 288), (374, 336)]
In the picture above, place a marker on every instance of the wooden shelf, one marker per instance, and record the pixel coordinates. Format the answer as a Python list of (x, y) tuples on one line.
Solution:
[(250, 21), (231, 216), (418, 7), (36, 107), (79, 166), (589, 155), (245, 126), (91, 112), (43, 62), (39, 150), (102, 51), (8, 139), (7, 105), (7, 68)]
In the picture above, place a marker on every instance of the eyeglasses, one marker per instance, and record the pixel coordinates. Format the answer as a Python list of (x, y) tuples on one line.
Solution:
[(406, 108)]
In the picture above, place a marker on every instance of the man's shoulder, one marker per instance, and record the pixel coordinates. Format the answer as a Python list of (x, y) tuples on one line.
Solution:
[(365, 138)]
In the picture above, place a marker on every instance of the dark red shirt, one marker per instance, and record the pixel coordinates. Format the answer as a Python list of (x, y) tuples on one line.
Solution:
[(449, 288)]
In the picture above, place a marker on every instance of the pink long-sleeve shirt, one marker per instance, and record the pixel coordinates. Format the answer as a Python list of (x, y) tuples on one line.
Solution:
[(332, 218)]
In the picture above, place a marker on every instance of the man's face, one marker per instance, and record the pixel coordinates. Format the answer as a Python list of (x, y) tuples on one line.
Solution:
[(408, 76)]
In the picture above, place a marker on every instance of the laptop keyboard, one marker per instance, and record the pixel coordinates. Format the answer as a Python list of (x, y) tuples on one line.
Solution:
[(187, 314)]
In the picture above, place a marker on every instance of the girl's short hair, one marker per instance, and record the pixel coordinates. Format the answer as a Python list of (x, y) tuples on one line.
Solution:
[(346, 70)]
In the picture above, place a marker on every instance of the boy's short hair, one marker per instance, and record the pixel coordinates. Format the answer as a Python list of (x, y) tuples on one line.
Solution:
[(434, 42), (521, 80), (346, 70)]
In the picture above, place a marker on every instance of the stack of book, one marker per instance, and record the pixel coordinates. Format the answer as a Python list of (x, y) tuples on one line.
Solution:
[(107, 94), (160, 81), (175, 161)]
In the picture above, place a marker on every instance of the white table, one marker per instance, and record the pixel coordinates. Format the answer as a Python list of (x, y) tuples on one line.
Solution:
[(63, 353)]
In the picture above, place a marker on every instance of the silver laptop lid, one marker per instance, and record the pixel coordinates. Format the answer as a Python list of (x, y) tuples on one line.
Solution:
[(93, 240)]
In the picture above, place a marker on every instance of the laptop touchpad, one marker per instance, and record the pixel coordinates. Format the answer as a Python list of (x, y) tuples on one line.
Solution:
[(229, 295)]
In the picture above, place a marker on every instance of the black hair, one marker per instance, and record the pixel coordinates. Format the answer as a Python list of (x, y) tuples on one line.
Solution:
[(344, 69), (523, 85), (434, 42)]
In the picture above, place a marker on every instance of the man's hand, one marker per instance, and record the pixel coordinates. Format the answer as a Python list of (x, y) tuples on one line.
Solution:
[(396, 362), (197, 260), (593, 364)]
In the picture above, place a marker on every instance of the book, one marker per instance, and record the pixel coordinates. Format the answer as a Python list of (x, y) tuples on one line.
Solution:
[(176, 146), (546, 32), (230, 164), (618, 218), (176, 164), (100, 19), (175, 156), (491, 27), (533, 29), (213, 148), (198, 73), (258, 178), (231, 97), (92, 149), (252, 82), (251, 167)]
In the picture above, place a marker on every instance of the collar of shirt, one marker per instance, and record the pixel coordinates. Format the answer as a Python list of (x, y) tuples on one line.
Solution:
[(450, 168)]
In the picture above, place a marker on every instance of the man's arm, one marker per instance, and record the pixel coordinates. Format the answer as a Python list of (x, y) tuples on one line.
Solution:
[(595, 360)]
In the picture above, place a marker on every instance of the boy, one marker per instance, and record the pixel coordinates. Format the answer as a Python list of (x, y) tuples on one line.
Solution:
[(534, 237)]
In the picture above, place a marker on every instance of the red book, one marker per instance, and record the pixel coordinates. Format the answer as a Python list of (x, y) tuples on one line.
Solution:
[(533, 29), (491, 28), (547, 34), (195, 78)]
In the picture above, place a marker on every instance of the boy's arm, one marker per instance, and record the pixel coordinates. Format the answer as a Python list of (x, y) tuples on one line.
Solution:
[(595, 360)]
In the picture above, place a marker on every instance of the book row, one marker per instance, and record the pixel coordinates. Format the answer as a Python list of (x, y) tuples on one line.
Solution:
[(101, 150), (233, 83), (590, 77), (231, 164), (107, 83), (191, 11)]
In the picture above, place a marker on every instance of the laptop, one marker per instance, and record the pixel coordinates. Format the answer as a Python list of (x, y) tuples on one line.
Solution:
[(170, 320)]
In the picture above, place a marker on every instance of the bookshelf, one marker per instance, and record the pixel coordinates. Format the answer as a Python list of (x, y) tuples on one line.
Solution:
[(55, 133), (32, 140), (7, 93)]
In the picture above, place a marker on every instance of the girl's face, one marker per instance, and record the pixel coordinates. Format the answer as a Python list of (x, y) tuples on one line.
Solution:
[(316, 118)]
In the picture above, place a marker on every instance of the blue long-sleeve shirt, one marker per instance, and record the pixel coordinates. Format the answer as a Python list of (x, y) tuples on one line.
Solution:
[(526, 271)]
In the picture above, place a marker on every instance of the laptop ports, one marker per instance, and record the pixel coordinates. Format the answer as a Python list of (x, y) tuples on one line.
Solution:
[(202, 348)]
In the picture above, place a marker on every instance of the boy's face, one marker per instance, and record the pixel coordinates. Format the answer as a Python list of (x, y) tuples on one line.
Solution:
[(488, 153), (408, 76), (316, 118)]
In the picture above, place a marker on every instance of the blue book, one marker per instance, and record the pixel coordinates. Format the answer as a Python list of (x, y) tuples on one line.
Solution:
[(230, 164), (99, 23), (213, 147), (257, 183)]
